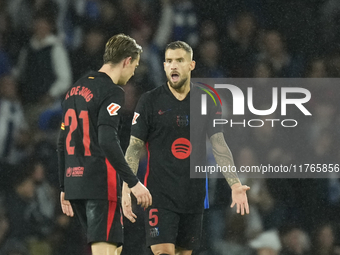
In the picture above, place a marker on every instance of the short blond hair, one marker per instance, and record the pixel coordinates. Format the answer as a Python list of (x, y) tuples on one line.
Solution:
[(119, 47)]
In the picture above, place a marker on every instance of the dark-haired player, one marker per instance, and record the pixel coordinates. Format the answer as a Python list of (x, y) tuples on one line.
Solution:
[(90, 156), (162, 123)]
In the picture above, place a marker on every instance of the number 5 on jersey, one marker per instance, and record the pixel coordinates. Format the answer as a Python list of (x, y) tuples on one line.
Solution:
[(153, 217)]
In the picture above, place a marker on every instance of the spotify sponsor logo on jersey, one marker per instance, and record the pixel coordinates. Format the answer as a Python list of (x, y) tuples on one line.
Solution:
[(181, 148)]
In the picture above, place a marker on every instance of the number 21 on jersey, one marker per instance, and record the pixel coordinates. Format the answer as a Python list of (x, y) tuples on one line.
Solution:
[(71, 120)]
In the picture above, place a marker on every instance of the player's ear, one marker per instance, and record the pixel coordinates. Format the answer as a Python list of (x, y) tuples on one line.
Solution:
[(192, 65), (127, 61)]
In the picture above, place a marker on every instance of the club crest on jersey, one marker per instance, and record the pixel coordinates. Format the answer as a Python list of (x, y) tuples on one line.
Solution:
[(134, 120), (154, 232), (182, 120), (113, 109)]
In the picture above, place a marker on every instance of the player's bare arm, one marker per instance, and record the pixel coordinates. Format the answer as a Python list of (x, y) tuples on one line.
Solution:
[(224, 157), (132, 157), (133, 152)]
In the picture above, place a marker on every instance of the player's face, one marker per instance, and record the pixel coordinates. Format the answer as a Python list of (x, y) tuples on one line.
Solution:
[(178, 66), (128, 70)]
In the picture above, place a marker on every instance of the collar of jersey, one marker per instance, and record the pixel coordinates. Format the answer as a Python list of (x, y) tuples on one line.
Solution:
[(172, 95)]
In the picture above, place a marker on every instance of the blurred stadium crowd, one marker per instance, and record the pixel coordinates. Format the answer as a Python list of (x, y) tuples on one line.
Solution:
[(45, 45)]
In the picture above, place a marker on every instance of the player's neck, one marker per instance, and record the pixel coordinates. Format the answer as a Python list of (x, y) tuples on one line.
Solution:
[(113, 72), (182, 92)]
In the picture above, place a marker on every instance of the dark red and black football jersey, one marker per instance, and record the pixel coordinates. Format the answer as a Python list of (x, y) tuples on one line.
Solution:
[(163, 123), (94, 100)]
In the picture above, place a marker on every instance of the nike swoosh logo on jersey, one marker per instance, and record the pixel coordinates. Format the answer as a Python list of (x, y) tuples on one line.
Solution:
[(160, 112)]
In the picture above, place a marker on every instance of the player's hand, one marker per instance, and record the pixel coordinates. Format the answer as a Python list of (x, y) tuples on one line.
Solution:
[(126, 204), (142, 195), (239, 197), (66, 205)]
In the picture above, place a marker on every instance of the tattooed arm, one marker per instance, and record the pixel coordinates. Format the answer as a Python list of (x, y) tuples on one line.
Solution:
[(224, 157), (133, 152), (132, 157)]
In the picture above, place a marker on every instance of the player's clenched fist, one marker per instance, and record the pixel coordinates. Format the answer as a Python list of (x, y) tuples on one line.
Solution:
[(142, 195)]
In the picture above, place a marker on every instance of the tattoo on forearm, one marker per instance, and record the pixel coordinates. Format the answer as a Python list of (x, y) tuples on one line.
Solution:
[(223, 157), (133, 152)]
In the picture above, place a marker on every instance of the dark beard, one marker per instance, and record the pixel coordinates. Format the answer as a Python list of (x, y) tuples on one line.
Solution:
[(178, 85)]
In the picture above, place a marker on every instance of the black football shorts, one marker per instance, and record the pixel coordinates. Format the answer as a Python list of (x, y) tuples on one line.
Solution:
[(165, 226), (101, 220)]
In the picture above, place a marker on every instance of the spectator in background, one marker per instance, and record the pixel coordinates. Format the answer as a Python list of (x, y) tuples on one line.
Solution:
[(264, 139), (4, 226), (112, 16), (208, 30), (14, 137), (10, 41), (334, 196), (267, 243), (316, 68), (133, 13), (46, 56), (333, 64), (267, 213), (15, 247), (150, 72), (295, 241), (239, 45), (235, 241), (22, 14), (65, 239), (5, 61), (89, 55), (273, 50), (178, 22), (5, 66), (45, 194), (77, 17), (262, 69), (324, 115), (27, 222), (324, 240), (329, 19), (43, 69), (21, 210), (208, 65), (322, 152)]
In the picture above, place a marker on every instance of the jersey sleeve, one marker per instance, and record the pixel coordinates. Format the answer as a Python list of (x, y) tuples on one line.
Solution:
[(110, 107), (214, 112), (108, 122), (141, 118), (61, 156), (110, 145)]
